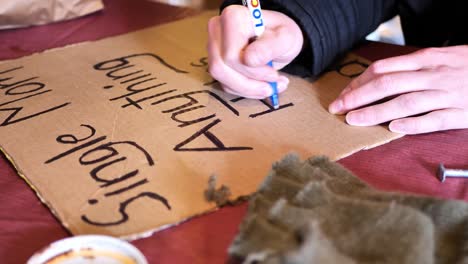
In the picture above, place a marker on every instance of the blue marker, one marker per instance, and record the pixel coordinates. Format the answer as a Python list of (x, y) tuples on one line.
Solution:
[(259, 27)]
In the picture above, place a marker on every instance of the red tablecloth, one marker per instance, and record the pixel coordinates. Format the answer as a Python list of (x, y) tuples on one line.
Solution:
[(408, 164)]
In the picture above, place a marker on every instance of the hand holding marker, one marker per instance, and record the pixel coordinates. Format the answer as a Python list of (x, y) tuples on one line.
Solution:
[(259, 27)]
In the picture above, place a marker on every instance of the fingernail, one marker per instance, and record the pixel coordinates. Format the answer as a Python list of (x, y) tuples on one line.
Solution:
[(355, 118), (282, 84), (336, 106), (397, 127), (267, 90), (283, 81)]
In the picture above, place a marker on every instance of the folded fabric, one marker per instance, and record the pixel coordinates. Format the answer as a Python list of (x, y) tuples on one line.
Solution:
[(22, 13), (316, 211)]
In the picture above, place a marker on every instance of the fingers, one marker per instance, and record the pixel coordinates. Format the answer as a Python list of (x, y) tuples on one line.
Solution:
[(230, 78), (281, 45), (402, 106), (416, 61), (281, 42), (422, 59), (434, 121), (214, 31), (381, 87), (235, 34), (381, 67), (229, 36)]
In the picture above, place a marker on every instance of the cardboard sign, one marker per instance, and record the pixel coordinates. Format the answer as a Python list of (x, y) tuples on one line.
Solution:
[(120, 136)]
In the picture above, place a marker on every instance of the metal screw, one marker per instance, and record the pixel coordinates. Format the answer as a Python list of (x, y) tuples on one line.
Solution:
[(443, 173)]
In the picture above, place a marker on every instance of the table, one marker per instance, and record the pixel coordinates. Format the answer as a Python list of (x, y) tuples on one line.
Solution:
[(407, 165)]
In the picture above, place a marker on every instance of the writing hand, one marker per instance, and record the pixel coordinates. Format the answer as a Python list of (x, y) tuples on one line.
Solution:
[(424, 91), (240, 67)]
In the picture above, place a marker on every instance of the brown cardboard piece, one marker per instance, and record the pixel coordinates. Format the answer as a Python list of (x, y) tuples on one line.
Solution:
[(121, 135)]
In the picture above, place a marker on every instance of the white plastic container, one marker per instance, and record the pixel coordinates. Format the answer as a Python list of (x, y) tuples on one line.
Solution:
[(89, 249)]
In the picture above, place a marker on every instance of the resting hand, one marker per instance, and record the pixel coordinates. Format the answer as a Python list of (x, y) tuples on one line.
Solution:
[(428, 91), (240, 67)]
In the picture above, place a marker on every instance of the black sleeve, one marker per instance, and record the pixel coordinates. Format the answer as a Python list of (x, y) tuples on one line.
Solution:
[(330, 27), (429, 23)]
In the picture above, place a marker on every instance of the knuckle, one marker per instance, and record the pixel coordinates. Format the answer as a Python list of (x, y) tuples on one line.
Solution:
[(414, 126), (354, 84), (417, 125), (370, 116), (377, 67), (453, 118), (229, 13), (442, 123), (348, 101), (215, 68), (408, 102), (212, 25), (465, 119), (373, 117), (254, 49), (284, 31), (212, 22), (257, 74), (454, 100), (461, 50), (443, 69), (253, 55), (430, 52), (260, 90), (384, 82), (230, 57), (291, 48)]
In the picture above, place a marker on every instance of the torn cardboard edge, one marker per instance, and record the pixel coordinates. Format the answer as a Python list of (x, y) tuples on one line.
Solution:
[(132, 237), (33, 188), (219, 196)]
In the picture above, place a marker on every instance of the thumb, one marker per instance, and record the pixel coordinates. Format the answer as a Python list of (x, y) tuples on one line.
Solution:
[(280, 45)]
